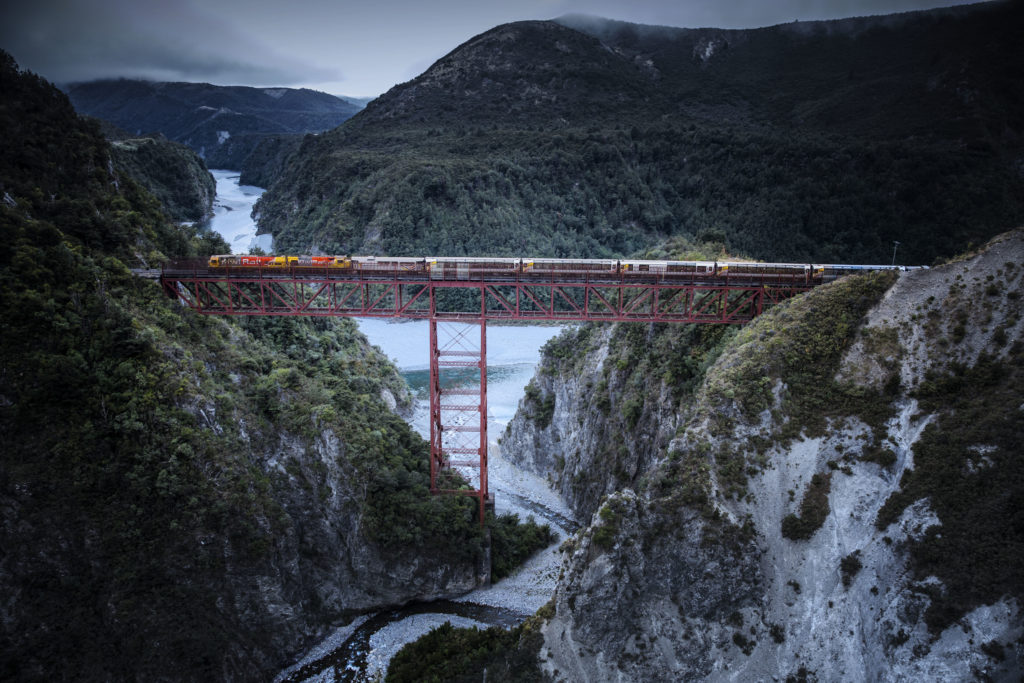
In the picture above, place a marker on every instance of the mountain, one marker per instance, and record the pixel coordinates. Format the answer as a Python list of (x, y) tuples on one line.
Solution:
[(183, 497), (268, 159), (832, 492), (821, 141), (222, 123), (357, 101)]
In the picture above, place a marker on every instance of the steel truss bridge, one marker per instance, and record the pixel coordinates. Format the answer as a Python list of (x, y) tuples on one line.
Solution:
[(458, 309)]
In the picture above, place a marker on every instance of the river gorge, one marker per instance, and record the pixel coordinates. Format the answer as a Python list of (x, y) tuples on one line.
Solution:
[(363, 648)]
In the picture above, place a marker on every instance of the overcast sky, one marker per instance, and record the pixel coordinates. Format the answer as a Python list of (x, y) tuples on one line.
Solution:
[(345, 47)]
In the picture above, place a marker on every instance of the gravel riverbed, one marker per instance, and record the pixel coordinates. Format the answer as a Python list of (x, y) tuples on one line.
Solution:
[(528, 588), (514, 598)]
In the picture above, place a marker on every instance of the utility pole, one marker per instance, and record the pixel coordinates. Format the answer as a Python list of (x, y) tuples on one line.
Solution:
[(895, 245)]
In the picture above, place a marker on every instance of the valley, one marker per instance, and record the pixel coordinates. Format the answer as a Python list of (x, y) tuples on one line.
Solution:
[(831, 491)]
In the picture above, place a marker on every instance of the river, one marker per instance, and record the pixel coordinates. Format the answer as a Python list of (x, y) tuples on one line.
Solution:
[(364, 647), (232, 213)]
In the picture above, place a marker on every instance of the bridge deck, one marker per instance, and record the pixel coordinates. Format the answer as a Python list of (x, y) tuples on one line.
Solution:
[(654, 297)]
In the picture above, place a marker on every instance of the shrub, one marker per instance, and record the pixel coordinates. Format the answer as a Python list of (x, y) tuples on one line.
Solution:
[(814, 510), (512, 542), (975, 494), (849, 566), (447, 654)]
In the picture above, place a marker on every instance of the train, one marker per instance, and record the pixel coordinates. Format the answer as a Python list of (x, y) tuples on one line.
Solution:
[(517, 268)]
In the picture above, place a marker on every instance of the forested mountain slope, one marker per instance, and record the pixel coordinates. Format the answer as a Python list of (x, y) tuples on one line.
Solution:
[(820, 141), (181, 497), (224, 124)]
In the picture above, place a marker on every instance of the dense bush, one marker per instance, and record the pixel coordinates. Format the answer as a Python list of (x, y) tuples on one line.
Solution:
[(448, 655), (814, 510), (175, 175), (790, 148), (849, 567), (138, 482), (566, 193), (512, 542), (541, 406), (967, 465)]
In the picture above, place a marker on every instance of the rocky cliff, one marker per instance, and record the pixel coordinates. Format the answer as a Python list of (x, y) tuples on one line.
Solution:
[(604, 406), (838, 498), (170, 171)]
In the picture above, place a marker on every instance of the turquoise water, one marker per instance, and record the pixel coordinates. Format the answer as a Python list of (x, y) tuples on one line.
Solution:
[(512, 356), (418, 379)]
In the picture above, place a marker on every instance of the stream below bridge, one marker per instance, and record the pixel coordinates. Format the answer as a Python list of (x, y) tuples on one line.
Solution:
[(363, 648)]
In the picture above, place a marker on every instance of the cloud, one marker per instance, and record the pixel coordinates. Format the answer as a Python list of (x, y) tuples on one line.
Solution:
[(68, 40), (299, 43)]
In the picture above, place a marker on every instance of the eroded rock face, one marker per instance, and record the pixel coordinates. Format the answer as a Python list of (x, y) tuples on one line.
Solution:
[(584, 446), (365, 576), (643, 599), (669, 584)]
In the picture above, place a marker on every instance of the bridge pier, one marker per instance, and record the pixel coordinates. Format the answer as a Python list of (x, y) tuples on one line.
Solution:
[(458, 415)]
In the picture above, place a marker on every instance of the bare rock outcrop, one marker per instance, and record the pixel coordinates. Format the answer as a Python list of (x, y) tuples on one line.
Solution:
[(834, 501)]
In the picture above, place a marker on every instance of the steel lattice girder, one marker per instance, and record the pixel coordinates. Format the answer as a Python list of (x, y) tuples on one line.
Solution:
[(678, 303)]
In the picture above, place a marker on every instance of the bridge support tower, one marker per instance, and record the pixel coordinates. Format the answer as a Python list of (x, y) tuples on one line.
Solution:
[(458, 410)]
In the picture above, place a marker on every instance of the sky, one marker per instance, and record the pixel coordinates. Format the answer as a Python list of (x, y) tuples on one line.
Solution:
[(344, 47)]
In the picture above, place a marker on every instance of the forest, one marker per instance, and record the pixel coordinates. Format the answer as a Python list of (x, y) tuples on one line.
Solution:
[(823, 142)]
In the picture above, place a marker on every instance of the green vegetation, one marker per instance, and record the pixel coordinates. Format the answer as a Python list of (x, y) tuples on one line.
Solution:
[(171, 172), (154, 457), (885, 457), (268, 159), (112, 477), (814, 510), (746, 645), (610, 513), (849, 566), (602, 192), (685, 479), (512, 542), (802, 343), (460, 655), (967, 465), (541, 406), (647, 355)]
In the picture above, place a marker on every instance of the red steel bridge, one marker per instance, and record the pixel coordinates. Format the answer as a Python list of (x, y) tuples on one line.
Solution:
[(459, 300)]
